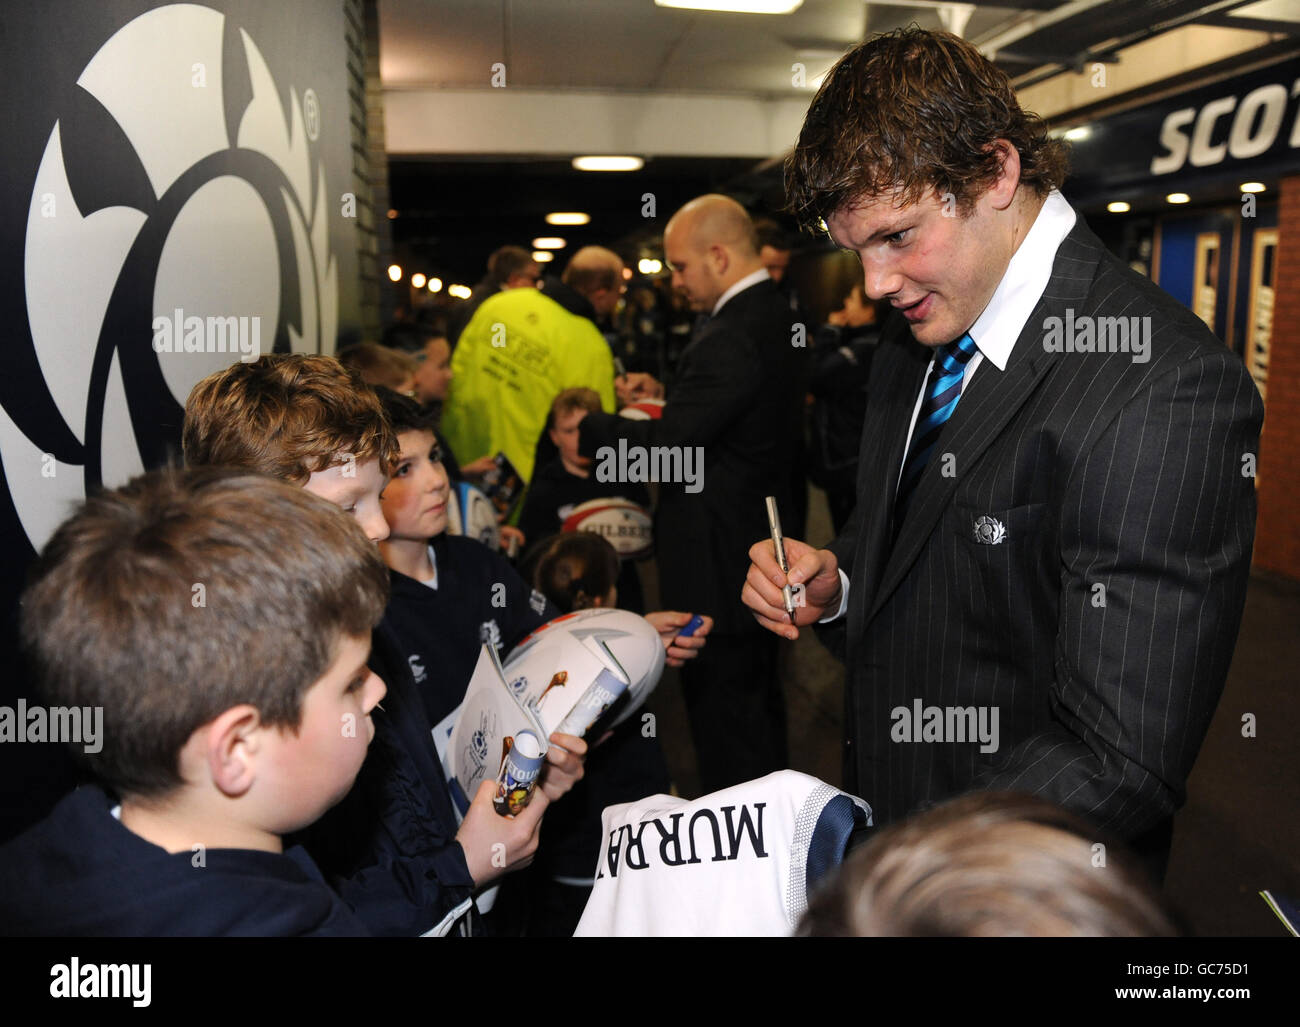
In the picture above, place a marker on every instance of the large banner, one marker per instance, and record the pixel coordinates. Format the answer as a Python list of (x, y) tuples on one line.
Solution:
[(174, 197), (1247, 125)]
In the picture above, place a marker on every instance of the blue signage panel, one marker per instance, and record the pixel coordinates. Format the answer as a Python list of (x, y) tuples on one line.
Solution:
[(1247, 126)]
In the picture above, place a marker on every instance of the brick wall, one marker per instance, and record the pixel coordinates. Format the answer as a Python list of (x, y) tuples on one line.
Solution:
[(369, 164), (1277, 534)]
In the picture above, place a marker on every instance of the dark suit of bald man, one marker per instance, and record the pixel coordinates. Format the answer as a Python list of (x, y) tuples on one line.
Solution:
[(738, 396)]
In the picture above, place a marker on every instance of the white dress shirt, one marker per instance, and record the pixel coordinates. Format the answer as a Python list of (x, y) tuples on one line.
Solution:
[(996, 330), (753, 278)]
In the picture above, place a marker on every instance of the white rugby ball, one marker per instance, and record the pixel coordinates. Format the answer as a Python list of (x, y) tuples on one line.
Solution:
[(471, 513), (629, 528), (627, 637)]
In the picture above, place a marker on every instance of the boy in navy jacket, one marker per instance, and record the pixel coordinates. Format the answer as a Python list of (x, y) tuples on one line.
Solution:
[(219, 624), (450, 594)]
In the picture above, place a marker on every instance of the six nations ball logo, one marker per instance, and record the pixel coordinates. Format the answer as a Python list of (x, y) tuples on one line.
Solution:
[(182, 185)]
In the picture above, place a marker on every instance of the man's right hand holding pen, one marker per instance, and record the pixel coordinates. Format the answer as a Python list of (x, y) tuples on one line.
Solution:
[(816, 569)]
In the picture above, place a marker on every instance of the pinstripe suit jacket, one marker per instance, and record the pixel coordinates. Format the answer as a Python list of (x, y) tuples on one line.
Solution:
[(1101, 626)]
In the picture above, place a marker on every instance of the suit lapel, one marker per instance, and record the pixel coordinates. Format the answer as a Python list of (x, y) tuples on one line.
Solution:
[(891, 394), (986, 407)]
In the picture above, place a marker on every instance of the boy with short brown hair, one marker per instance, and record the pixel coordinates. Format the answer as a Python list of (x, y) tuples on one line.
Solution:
[(221, 622)]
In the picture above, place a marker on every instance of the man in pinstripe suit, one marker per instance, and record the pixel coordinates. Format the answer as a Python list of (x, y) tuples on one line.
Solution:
[(1053, 528)]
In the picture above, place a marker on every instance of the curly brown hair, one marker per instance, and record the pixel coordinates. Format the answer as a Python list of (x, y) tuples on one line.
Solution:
[(286, 415), (909, 111)]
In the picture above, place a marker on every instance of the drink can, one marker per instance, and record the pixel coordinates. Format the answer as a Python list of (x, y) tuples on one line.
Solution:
[(520, 765)]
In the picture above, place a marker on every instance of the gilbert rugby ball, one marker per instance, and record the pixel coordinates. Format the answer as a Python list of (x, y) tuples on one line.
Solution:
[(629, 528), (643, 410), (630, 639)]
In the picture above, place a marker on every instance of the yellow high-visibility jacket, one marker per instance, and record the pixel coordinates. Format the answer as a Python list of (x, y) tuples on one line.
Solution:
[(519, 351)]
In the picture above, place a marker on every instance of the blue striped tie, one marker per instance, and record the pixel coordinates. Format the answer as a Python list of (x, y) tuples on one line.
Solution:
[(942, 391)]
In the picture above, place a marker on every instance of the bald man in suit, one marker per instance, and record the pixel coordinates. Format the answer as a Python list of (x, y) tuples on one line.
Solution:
[(737, 400)]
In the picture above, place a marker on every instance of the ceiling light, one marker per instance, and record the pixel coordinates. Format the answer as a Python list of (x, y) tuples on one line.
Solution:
[(549, 242), (608, 163), (735, 6), (1118, 207), (567, 218), (543, 256), (418, 280), (1178, 198), (1078, 132), (435, 285), (461, 292), (1252, 187), (395, 272)]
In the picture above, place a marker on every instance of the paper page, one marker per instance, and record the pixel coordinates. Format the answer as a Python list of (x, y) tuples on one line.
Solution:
[(489, 715)]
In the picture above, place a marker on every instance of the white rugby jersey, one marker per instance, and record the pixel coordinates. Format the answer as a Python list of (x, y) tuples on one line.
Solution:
[(739, 862)]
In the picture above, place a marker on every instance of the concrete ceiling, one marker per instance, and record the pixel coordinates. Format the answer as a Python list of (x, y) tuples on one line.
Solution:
[(630, 44), (710, 100)]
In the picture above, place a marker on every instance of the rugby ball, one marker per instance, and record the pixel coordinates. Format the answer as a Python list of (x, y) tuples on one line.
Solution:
[(471, 513), (629, 528), (643, 410), (622, 642)]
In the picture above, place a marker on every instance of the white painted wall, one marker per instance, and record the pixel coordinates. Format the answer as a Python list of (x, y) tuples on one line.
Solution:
[(565, 122)]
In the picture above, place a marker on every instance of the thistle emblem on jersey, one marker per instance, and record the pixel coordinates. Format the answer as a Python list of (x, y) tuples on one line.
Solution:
[(989, 531)]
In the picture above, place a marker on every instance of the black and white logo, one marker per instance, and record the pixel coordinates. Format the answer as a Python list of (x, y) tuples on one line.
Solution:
[(180, 184)]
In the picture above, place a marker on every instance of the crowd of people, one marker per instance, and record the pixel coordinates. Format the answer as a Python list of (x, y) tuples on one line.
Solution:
[(314, 511)]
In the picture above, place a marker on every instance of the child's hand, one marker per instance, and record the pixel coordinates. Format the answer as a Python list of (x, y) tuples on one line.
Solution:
[(565, 759), (495, 845), (678, 649)]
